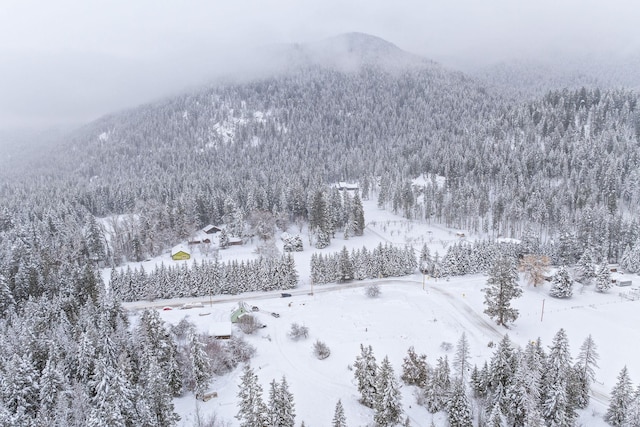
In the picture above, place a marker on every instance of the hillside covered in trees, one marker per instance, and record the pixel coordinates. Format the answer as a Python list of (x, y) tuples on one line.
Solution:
[(560, 171)]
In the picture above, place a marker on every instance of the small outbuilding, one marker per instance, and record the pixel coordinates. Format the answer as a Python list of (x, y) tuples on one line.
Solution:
[(220, 330), (180, 253), (235, 241)]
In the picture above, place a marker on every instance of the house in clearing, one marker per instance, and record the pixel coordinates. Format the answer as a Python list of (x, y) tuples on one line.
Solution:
[(347, 186), (179, 253), (211, 229), (239, 311)]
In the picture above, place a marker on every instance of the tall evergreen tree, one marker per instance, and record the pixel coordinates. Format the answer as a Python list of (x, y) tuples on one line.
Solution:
[(438, 388), (584, 371), (200, 363), (459, 409), (603, 278), (345, 266), (414, 368), (281, 407), (388, 405), (557, 405), (621, 400), (366, 372), (252, 411), (561, 284), (339, 419), (358, 216), (502, 288), (633, 415), (461, 365), (6, 296)]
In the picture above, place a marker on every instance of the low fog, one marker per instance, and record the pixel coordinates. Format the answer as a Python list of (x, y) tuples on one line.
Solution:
[(68, 62)]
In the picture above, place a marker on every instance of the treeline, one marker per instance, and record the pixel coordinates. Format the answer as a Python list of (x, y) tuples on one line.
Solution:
[(469, 258), (204, 279), (360, 264)]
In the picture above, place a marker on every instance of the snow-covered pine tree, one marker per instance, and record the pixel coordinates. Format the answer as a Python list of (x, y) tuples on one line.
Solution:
[(503, 365), (480, 381), (345, 266), (633, 415), (584, 371), (502, 287), (438, 388), (339, 419), (621, 400), (414, 368), (223, 240), (155, 341), (461, 365), (281, 406), (425, 261), (349, 227), (323, 239), (6, 296), (557, 407), (496, 419), (358, 216), (365, 374), (458, 408), (522, 396), (603, 278), (626, 261), (157, 395), (252, 411), (199, 361), (359, 265), (585, 267), (94, 239), (561, 284), (388, 405), (290, 279), (112, 401), (51, 384)]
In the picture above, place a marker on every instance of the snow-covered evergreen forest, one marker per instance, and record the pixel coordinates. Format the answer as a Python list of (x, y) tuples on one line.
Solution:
[(558, 173)]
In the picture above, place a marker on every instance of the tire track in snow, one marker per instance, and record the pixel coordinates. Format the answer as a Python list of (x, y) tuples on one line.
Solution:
[(470, 314)]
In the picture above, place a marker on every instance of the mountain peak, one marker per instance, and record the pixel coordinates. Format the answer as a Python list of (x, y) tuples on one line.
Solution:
[(364, 43), (350, 51)]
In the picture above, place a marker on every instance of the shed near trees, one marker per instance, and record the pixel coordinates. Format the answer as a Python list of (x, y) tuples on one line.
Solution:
[(180, 253), (220, 330)]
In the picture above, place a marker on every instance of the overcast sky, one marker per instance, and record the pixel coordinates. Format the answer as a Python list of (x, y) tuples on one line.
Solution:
[(70, 61)]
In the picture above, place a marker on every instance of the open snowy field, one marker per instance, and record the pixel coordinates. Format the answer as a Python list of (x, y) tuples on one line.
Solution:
[(406, 315)]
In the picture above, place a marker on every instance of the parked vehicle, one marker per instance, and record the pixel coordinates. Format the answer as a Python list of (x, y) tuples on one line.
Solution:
[(285, 295), (255, 308), (275, 314)]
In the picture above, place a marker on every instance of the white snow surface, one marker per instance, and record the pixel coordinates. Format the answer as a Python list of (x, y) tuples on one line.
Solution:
[(411, 311)]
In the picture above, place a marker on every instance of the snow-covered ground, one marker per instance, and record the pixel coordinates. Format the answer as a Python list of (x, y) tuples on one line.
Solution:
[(406, 314)]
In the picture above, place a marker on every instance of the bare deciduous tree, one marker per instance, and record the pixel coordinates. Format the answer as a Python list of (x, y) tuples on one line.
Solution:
[(535, 268)]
